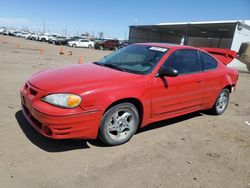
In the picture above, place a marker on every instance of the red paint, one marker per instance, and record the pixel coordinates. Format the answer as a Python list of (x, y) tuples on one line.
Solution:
[(100, 87), (223, 55)]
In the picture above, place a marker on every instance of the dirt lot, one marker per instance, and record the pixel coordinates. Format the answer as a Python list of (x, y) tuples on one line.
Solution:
[(196, 150)]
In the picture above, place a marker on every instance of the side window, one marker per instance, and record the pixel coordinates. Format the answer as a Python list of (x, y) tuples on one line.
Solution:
[(184, 61), (208, 61)]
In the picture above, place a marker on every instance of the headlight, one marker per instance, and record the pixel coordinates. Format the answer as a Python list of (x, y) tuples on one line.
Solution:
[(63, 100)]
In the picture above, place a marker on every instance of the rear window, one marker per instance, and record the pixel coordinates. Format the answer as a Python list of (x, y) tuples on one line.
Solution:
[(208, 61)]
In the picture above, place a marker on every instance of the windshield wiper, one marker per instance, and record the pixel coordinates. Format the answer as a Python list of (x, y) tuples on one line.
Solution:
[(98, 63), (114, 67)]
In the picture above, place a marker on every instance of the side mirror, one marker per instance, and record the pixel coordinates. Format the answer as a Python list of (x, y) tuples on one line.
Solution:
[(167, 71)]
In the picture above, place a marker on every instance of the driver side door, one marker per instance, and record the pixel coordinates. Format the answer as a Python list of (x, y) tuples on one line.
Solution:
[(174, 96)]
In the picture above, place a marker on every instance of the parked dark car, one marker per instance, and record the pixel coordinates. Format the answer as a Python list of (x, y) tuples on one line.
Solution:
[(58, 40), (107, 44)]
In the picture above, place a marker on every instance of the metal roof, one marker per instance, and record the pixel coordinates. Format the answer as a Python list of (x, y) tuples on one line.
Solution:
[(213, 29)]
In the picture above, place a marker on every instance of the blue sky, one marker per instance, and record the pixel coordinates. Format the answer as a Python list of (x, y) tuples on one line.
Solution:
[(113, 17)]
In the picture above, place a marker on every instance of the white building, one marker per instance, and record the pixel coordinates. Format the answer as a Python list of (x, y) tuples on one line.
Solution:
[(219, 34)]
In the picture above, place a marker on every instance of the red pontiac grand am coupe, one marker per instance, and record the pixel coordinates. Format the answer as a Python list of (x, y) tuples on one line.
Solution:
[(128, 89)]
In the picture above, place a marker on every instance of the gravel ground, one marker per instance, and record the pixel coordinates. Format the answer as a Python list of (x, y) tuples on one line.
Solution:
[(195, 150)]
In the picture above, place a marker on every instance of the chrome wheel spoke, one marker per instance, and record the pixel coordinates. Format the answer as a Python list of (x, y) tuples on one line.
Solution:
[(222, 102), (120, 124), (115, 117), (112, 128), (125, 115)]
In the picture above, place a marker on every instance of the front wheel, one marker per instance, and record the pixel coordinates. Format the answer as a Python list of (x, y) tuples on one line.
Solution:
[(119, 124), (90, 46), (221, 103), (74, 45)]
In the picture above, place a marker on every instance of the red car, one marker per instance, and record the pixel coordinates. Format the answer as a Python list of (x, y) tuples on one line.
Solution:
[(126, 90)]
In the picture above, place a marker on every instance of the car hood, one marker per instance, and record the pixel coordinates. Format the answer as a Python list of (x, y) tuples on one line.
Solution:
[(79, 76)]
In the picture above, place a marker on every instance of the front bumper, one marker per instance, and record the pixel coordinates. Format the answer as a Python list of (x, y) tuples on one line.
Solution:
[(57, 123)]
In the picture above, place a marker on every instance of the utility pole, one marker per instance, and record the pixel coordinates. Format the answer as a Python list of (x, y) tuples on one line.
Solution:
[(44, 29)]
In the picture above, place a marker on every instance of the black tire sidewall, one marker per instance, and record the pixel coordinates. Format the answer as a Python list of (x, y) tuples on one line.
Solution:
[(103, 125)]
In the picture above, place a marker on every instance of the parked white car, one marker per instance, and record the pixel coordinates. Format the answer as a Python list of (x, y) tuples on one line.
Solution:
[(2, 30), (81, 43)]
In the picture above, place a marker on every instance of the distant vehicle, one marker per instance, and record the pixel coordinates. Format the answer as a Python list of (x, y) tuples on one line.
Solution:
[(5, 32), (25, 35), (33, 36), (2, 30), (21, 34), (58, 40), (81, 43), (45, 37), (123, 43), (12, 32), (128, 89), (75, 38), (111, 44)]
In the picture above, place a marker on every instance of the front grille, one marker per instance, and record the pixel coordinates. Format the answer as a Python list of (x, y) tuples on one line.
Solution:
[(33, 92), (36, 122), (32, 118)]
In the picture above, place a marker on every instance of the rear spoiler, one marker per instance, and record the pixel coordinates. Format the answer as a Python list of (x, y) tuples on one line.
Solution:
[(223, 55)]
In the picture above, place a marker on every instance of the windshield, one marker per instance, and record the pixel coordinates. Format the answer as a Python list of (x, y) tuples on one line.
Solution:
[(139, 59)]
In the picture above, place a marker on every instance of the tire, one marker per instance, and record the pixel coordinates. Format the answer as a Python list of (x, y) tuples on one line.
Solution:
[(54, 42), (221, 102), (90, 46), (119, 124), (74, 45), (43, 40), (100, 47), (116, 48)]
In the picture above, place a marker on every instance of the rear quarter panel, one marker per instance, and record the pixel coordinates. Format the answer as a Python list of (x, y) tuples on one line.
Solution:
[(216, 80)]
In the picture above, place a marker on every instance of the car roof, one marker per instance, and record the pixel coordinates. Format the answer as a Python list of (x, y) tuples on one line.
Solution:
[(167, 45)]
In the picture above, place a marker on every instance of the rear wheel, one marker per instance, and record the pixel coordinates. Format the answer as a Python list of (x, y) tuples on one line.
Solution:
[(119, 124), (90, 46), (221, 103)]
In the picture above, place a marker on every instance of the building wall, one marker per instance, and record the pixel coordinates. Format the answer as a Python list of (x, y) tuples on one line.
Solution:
[(213, 42), (140, 35), (240, 35)]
